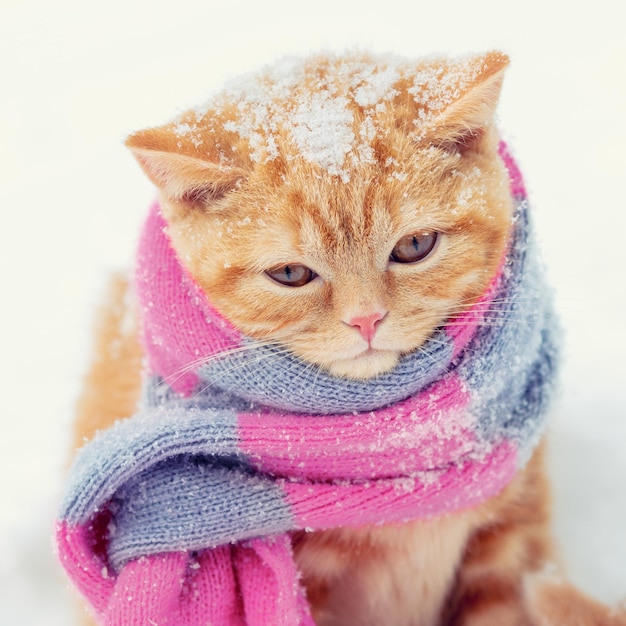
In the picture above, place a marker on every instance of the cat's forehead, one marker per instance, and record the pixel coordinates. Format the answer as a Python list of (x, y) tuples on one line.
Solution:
[(329, 110), (322, 219)]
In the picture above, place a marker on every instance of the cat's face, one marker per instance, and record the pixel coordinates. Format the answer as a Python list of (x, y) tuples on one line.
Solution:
[(347, 269)]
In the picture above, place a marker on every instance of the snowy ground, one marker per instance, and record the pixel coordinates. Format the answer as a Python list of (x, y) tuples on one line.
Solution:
[(77, 76)]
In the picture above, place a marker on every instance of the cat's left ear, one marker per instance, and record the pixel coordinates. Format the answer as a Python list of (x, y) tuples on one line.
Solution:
[(463, 122), (182, 173)]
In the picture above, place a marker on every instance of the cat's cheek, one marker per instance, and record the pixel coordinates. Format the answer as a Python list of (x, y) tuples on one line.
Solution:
[(267, 311)]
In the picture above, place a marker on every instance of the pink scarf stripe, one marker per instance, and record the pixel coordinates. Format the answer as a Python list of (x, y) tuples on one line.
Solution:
[(516, 180), (405, 437), (180, 336), (270, 583), (262, 571), (88, 571), (133, 600), (330, 505)]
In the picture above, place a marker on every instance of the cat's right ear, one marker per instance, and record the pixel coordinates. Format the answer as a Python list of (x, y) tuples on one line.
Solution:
[(179, 170), (461, 124)]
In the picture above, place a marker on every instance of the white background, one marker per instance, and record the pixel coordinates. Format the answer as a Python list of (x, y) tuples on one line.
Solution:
[(77, 76)]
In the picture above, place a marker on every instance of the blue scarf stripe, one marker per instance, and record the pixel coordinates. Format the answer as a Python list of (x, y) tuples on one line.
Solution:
[(190, 502), (284, 382), (520, 337), (526, 421), (131, 446)]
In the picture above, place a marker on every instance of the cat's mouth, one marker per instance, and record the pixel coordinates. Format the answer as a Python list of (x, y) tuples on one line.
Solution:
[(370, 363)]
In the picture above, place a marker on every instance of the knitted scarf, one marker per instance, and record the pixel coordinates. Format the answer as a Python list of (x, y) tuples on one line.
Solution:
[(181, 514)]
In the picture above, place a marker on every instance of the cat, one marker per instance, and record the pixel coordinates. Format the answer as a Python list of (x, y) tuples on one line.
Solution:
[(345, 207)]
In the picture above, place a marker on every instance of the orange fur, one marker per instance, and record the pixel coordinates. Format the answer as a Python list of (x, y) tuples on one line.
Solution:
[(233, 215), (112, 385), (554, 602), (258, 215)]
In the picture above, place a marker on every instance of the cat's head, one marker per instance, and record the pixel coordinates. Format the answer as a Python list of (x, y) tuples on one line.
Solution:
[(341, 206)]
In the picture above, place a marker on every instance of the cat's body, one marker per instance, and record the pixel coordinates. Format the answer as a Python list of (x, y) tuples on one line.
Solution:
[(350, 252)]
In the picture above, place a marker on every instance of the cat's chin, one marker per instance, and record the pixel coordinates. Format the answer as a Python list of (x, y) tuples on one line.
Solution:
[(367, 365)]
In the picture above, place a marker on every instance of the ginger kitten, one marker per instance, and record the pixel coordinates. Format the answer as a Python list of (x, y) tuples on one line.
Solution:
[(344, 208)]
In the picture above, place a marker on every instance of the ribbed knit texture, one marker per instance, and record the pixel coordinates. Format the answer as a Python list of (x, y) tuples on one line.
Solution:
[(181, 514)]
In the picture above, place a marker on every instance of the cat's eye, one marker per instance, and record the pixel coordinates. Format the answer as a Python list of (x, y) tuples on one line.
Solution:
[(414, 248), (292, 275)]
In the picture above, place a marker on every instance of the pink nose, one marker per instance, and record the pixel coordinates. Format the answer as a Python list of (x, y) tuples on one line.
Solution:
[(367, 324)]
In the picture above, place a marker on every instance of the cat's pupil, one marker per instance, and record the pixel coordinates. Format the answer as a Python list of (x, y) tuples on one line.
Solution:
[(413, 248), (292, 275)]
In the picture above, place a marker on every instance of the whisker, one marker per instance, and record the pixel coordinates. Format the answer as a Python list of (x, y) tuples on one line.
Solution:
[(495, 312), (252, 361), (205, 360), (200, 361), (312, 366)]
